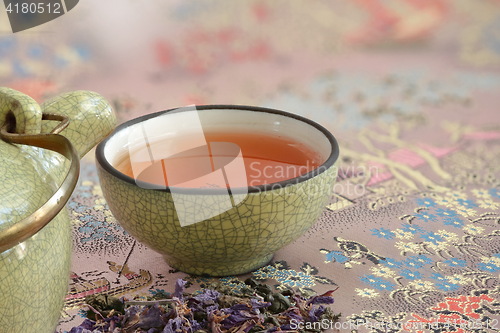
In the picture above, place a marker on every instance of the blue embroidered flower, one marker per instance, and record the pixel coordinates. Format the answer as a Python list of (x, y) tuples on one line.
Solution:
[(266, 272), (411, 275), (466, 203), (82, 313), (454, 262), (377, 282), (383, 233), (236, 286), (447, 286), (454, 222), (438, 277), (159, 293), (389, 262), (446, 213), (292, 278), (417, 261), (494, 192), (413, 228), (336, 256), (90, 220), (95, 234), (425, 216), (433, 237), (427, 202), (77, 207), (490, 264)]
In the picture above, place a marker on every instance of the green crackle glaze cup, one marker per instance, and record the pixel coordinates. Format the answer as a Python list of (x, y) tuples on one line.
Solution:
[(36, 182), (240, 237)]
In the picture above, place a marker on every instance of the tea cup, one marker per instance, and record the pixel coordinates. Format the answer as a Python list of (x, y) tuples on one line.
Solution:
[(217, 231)]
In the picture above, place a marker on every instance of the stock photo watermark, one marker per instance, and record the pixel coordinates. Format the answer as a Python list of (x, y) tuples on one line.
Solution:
[(360, 324), (26, 14)]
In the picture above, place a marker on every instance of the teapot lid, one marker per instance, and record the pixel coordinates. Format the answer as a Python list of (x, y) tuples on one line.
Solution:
[(28, 201)]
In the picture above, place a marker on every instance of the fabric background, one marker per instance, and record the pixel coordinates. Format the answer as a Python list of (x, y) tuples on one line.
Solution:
[(410, 88)]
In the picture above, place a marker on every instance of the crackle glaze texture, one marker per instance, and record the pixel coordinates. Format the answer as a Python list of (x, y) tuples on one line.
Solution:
[(34, 273), (237, 241)]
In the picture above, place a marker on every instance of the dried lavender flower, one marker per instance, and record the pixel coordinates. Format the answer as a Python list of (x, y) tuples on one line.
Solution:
[(216, 311)]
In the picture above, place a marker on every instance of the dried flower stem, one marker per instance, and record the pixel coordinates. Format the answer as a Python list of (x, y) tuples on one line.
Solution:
[(145, 303)]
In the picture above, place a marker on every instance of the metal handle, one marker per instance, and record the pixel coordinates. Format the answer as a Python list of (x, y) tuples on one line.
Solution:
[(33, 223)]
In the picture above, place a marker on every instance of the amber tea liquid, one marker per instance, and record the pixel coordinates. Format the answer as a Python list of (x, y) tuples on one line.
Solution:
[(267, 159)]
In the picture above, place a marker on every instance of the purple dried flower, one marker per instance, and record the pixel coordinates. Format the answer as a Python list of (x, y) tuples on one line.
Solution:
[(131, 315), (150, 317), (79, 329), (195, 325), (238, 307), (85, 327), (256, 304), (320, 300), (316, 312), (180, 285), (242, 317), (113, 322), (202, 305), (286, 328), (212, 311), (211, 308), (239, 323), (294, 313), (175, 325), (202, 302), (208, 296)]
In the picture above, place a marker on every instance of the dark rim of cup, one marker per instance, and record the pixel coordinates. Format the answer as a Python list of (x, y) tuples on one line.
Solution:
[(330, 161)]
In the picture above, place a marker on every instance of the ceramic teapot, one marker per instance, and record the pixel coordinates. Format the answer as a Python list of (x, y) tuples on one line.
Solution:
[(40, 147)]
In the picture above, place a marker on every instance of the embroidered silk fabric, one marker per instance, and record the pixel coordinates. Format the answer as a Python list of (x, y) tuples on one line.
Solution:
[(410, 89)]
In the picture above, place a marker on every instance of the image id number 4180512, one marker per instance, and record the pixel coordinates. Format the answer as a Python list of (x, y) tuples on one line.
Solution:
[(34, 8)]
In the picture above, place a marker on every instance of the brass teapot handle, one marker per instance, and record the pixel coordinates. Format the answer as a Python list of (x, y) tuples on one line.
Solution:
[(33, 223)]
